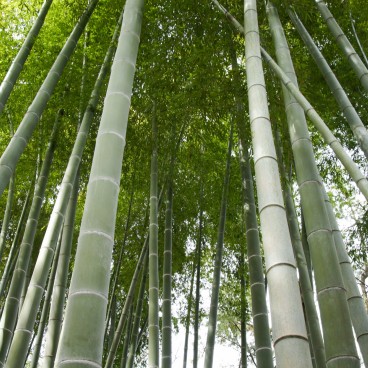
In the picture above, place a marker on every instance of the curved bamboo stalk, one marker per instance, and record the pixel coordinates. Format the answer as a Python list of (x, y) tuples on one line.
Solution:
[(17, 65), (347, 48), (289, 334), (12, 303), (18, 143), (352, 117), (211, 332), (339, 343)]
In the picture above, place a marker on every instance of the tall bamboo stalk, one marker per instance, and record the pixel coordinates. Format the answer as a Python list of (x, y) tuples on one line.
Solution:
[(211, 332), (17, 65), (256, 278), (12, 303), (351, 167), (60, 283), (153, 306), (12, 257), (198, 278), (18, 143), (356, 305), (347, 48), (167, 276), (339, 343), (95, 243), (352, 117), (127, 304), (288, 326), (137, 316), (187, 319), (45, 308), (352, 21), (243, 309)]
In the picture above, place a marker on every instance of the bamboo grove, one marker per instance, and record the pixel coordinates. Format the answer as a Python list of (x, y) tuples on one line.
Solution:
[(177, 178)]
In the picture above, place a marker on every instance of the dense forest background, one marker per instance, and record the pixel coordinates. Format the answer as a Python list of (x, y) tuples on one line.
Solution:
[(185, 69)]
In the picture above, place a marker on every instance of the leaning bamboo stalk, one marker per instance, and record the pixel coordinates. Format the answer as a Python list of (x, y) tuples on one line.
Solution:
[(7, 215), (289, 333), (17, 65), (347, 48), (18, 143), (350, 166), (12, 304), (45, 308), (352, 21), (60, 283), (12, 257), (215, 292), (57, 217), (351, 115), (128, 302)]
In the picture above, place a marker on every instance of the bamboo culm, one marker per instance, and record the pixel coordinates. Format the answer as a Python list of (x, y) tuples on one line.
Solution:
[(17, 65), (57, 216), (356, 305), (7, 215), (137, 316), (167, 277), (187, 319), (12, 257), (45, 308), (339, 346), (127, 304), (352, 117), (12, 303), (18, 143), (262, 337), (153, 289), (91, 274), (60, 283), (350, 166), (198, 279), (211, 332), (289, 334), (347, 48)]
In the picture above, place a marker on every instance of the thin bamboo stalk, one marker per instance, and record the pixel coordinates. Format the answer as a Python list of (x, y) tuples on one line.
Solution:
[(18, 143), (211, 332), (347, 48), (352, 117), (12, 304), (17, 65)]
